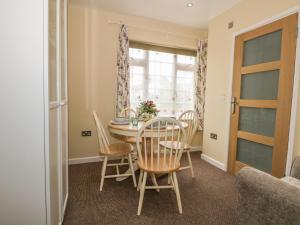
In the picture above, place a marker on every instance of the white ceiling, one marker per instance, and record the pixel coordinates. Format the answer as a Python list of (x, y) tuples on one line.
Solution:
[(171, 10)]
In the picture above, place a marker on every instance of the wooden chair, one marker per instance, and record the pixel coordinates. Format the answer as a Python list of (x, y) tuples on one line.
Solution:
[(112, 151), (189, 117), (155, 159)]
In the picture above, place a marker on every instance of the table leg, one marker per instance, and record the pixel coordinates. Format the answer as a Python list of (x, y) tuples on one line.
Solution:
[(134, 164), (135, 168), (153, 178)]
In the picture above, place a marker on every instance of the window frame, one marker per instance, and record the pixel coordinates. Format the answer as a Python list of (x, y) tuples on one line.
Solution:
[(144, 62)]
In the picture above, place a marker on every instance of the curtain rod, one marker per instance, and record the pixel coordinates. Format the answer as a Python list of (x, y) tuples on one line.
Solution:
[(154, 30)]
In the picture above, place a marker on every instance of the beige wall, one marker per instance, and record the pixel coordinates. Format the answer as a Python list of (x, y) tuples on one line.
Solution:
[(92, 44), (297, 135), (244, 14)]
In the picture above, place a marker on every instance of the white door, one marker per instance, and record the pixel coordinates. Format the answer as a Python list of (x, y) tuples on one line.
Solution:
[(58, 110)]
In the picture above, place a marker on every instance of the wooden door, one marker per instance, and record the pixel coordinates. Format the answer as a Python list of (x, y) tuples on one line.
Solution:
[(263, 76)]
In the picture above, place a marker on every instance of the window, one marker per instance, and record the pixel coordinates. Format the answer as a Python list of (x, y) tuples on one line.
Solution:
[(163, 76)]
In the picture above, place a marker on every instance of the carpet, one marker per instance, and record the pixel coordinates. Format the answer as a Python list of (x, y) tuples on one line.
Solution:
[(210, 198)]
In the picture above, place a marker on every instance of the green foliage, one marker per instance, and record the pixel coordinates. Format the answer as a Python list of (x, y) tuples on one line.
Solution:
[(148, 107)]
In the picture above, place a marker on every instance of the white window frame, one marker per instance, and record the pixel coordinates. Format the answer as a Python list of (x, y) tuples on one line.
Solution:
[(176, 67)]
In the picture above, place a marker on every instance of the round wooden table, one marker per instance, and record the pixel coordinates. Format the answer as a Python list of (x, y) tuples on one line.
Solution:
[(130, 131)]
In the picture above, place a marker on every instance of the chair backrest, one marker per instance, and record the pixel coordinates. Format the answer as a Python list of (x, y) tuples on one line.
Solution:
[(127, 112), (190, 117), (154, 136), (102, 138)]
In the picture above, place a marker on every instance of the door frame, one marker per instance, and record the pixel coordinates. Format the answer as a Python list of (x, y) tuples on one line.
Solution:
[(296, 85), (54, 105)]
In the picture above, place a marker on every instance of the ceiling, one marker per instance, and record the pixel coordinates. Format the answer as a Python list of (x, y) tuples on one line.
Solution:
[(174, 11)]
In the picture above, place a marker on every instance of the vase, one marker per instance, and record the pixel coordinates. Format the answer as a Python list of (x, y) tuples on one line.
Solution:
[(147, 117)]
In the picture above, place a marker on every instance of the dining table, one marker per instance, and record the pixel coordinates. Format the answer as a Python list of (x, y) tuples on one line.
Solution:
[(128, 130)]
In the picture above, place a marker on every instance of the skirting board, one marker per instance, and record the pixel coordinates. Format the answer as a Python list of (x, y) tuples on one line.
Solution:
[(213, 162), (196, 149), (85, 160), (74, 161)]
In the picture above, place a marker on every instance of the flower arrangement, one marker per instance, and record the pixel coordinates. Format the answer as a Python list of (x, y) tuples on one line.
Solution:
[(147, 109)]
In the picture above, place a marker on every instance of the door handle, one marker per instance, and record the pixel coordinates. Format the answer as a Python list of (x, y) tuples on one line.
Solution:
[(233, 104)]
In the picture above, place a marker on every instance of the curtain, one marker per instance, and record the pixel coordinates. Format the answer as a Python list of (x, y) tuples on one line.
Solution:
[(200, 80), (123, 99)]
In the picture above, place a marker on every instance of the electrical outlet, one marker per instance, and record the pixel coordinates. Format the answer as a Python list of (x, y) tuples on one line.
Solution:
[(213, 136), (86, 133)]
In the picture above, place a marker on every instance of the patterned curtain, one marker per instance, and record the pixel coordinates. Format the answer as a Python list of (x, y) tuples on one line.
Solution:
[(200, 80), (123, 72)]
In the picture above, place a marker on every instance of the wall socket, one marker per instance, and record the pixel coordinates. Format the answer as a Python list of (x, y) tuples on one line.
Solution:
[(213, 136), (86, 133)]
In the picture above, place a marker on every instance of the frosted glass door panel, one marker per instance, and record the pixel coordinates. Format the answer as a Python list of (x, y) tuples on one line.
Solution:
[(256, 155), (258, 121), (263, 49), (261, 86)]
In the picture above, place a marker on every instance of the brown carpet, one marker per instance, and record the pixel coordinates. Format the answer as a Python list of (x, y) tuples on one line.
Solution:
[(210, 198)]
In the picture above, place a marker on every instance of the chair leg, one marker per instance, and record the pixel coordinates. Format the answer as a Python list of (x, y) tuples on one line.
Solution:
[(122, 160), (190, 163), (142, 192), (171, 181), (103, 173), (132, 170), (169, 178), (154, 181), (177, 192), (140, 180), (117, 169)]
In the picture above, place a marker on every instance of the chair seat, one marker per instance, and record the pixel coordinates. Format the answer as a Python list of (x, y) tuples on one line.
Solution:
[(158, 166), (174, 145), (118, 149), (131, 140)]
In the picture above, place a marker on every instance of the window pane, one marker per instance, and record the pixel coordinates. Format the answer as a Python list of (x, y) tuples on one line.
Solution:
[(184, 91), (166, 108), (187, 60), (137, 85), (263, 85), (254, 154), (137, 53), (154, 68), (166, 69), (137, 70), (161, 57), (263, 49), (257, 121), (158, 68), (160, 89)]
